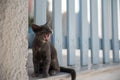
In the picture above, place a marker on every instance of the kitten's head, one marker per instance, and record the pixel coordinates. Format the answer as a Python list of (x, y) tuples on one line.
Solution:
[(42, 29)]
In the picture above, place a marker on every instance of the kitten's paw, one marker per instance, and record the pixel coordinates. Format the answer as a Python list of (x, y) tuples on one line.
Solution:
[(53, 72), (35, 75), (45, 75)]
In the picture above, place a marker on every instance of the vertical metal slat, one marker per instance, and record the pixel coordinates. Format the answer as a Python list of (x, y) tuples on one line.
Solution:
[(94, 32), (83, 33), (115, 42), (71, 31), (57, 27), (105, 30)]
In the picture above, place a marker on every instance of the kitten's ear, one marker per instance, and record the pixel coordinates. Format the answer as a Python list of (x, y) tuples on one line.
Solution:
[(48, 24), (35, 27)]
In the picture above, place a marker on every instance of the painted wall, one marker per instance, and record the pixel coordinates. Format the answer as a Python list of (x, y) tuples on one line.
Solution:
[(13, 39)]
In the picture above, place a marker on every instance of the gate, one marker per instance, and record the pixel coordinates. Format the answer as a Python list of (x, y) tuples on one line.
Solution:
[(83, 34)]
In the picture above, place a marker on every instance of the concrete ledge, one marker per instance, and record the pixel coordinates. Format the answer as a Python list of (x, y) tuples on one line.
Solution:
[(107, 73), (61, 76), (92, 72)]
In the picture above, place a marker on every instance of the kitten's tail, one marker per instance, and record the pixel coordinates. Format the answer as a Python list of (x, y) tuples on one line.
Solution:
[(69, 70)]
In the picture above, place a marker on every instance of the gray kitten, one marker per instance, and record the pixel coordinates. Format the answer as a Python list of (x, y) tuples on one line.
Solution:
[(44, 54)]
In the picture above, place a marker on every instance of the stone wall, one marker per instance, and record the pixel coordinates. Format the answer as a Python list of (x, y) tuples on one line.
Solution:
[(13, 39)]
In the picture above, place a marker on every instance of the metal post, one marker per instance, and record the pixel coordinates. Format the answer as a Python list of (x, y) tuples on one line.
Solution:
[(57, 27), (94, 32), (84, 32), (115, 42), (71, 31), (40, 11)]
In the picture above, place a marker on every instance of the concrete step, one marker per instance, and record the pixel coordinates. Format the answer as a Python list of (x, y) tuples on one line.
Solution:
[(91, 72), (105, 73)]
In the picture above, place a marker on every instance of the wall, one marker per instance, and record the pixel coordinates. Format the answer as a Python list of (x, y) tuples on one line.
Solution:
[(13, 39)]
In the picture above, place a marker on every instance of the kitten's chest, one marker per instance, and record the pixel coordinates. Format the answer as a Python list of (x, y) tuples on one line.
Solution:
[(39, 53), (40, 49)]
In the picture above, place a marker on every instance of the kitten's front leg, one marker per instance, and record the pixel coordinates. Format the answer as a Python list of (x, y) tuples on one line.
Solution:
[(46, 61), (46, 69), (54, 66), (36, 69)]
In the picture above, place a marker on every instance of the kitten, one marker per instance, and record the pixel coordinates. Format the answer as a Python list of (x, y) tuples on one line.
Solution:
[(44, 54)]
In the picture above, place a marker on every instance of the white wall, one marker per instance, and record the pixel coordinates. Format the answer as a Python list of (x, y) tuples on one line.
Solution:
[(13, 39)]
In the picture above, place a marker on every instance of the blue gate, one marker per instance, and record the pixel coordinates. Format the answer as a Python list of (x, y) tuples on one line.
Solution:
[(82, 34)]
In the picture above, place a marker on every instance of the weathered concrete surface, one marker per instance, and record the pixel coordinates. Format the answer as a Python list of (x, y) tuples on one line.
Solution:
[(96, 72), (13, 39), (109, 73)]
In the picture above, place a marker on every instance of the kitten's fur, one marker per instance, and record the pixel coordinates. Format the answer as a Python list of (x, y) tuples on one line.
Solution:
[(44, 54)]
